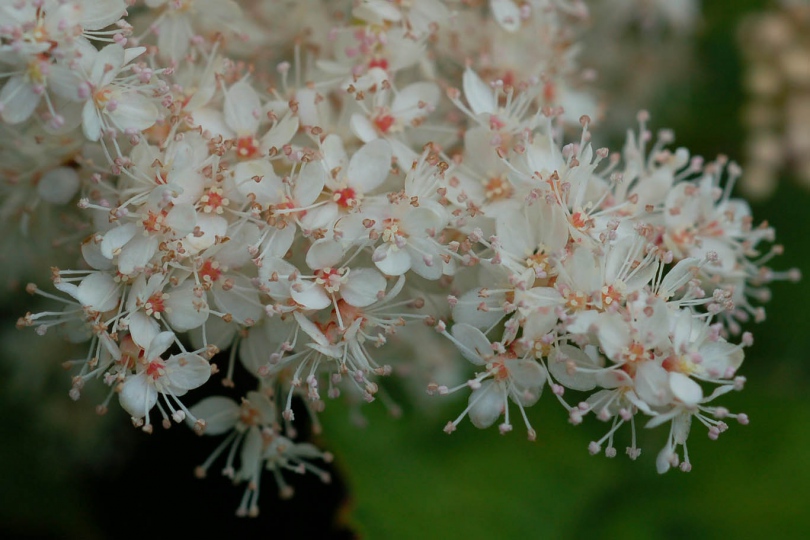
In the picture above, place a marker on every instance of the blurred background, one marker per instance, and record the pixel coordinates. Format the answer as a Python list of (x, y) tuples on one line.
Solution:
[(727, 77)]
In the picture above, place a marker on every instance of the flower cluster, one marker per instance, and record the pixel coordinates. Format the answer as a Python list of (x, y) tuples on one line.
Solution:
[(306, 186)]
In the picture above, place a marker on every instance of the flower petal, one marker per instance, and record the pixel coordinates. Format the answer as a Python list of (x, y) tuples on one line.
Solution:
[(685, 389), (219, 412), (186, 310), (363, 287), (478, 93), (472, 343), (143, 329), (187, 371), (99, 292), (116, 238), (391, 260), (506, 13), (138, 395), (486, 404), (324, 253), (369, 166), (310, 295), (241, 105), (567, 364)]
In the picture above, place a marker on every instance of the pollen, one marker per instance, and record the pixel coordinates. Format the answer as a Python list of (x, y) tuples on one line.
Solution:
[(346, 197), (684, 237), (498, 188), (581, 221), (153, 221), (499, 370), (249, 415), (102, 97), (635, 353), (681, 364), (37, 71), (610, 296), (214, 201), (247, 147), (576, 300), (156, 369), (155, 304), (392, 234), (330, 278), (209, 272)]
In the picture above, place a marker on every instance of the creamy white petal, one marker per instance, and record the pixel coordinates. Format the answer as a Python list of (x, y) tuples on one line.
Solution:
[(134, 113), (310, 295), (219, 412), (573, 368), (391, 260), (187, 371), (18, 100), (267, 190), (311, 329), (241, 300), (479, 95), (241, 108), (99, 292), (106, 65), (324, 253), (472, 343), (415, 100), (281, 133), (527, 378), (486, 404), (369, 166), (138, 395), (363, 287), (137, 254), (159, 345), (142, 329), (506, 13), (685, 389), (362, 127), (652, 384), (185, 310)]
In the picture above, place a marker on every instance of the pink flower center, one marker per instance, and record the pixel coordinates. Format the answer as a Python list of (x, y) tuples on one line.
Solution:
[(383, 122), (381, 63), (155, 369), (247, 147), (346, 197), (155, 304), (209, 272), (497, 188)]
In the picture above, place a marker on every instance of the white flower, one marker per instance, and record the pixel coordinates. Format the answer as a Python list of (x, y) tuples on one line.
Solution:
[(97, 292), (41, 40), (154, 376), (114, 104), (408, 108), (506, 13), (365, 172), (506, 376), (359, 287), (181, 20)]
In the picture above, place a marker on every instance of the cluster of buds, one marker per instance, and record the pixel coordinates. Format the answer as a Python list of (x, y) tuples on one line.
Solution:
[(307, 187)]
